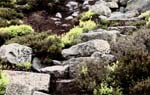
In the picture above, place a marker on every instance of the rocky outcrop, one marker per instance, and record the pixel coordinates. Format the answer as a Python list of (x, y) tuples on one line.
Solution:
[(87, 48), (23, 83), (16, 54), (140, 5)]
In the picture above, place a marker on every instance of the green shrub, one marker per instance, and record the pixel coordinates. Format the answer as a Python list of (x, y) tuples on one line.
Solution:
[(26, 65), (17, 30), (69, 37), (87, 15), (3, 82), (90, 73), (134, 57), (8, 13), (146, 15), (88, 25), (6, 23), (141, 88), (44, 46)]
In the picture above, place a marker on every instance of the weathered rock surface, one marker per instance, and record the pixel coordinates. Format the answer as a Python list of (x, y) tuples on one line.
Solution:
[(140, 5), (100, 34), (101, 8), (57, 71), (87, 48), (34, 81), (39, 93), (16, 54)]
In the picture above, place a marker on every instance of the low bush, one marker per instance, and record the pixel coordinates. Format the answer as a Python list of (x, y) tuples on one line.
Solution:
[(142, 88), (134, 57), (87, 15), (8, 13), (44, 46), (90, 75), (3, 82), (17, 30)]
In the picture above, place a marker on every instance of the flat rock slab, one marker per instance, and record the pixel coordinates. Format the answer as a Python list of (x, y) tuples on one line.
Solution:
[(39, 93), (35, 81)]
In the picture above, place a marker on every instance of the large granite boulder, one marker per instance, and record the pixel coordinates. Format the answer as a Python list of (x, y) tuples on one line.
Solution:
[(87, 48), (23, 83), (140, 5), (16, 54)]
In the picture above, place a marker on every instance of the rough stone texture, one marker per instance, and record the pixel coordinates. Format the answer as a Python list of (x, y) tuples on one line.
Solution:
[(112, 5), (57, 71), (15, 53), (87, 48), (123, 2), (101, 8), (36, 64), (65, 87), (140, 5), (123, 29), (39, 93), (18, 89), (99, 34), (34, 81), (124, 16)]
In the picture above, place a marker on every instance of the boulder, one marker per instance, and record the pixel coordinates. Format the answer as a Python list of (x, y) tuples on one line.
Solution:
[(34, 81), (18, 89), (101, 8), (57, 71), (130, 15), (16, 54), (140, 5), (112, 5), (123, 2), (87, 48), (99, 34)]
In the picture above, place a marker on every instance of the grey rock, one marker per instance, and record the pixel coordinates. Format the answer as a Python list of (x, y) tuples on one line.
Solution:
[(122, 9), (75, 14), (123, 2), (124, 16), (39, 93), (101, 8), (57, 71), (86, 48), (69, 18), (72, 5), (56, 62), (112, 5), (16, 53), (140, 5), (123, 29), (65, 87), (99, 34), (34, 81), (36, 64), (18, 89), (105, 57), (59, 15)]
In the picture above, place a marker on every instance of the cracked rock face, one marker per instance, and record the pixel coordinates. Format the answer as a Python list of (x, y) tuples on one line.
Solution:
[(23, 82), (15, 53), (87, 48)]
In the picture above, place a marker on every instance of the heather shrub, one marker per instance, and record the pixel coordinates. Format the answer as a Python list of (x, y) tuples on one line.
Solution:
[(3, 82), (142, 88), (86, 15), (44, 46), (8, 13), (90, 75), (134, 58)]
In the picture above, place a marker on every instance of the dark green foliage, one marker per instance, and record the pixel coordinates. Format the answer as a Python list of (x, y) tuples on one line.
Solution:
[(8, 13), (90, 74), (141, 88), (44, 47), (134, 59)]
